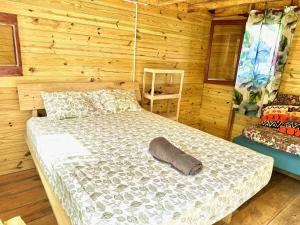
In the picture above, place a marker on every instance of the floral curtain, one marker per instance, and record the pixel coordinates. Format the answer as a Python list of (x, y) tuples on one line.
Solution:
[(264, 54)]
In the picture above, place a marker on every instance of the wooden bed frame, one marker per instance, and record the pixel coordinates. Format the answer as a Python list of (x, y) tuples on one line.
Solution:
[(30, 99), (61, 217)]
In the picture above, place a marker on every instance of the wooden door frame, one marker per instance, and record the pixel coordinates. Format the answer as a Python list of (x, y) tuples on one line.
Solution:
[(207, 64)]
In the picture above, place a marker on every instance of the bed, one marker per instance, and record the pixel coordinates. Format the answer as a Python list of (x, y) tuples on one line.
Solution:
[(96, 170)]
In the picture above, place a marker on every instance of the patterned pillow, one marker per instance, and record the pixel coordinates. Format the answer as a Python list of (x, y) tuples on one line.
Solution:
[(102, 100), (63, 105), (292, 125), (274, 116), (286, 99), (125, 101)]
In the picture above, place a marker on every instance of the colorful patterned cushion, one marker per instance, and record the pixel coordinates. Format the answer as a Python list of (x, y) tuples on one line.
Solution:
[(272, 138), (63, 105), (274, 116), (286, 99), (292, 125)]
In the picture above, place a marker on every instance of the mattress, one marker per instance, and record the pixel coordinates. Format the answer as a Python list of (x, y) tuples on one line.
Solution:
[(106, 176)]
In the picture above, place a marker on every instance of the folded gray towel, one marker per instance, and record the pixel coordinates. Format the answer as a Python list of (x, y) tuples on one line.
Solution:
[(161, 149)]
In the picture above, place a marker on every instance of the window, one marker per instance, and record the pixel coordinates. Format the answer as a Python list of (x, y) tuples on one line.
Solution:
[(226, 37), (10, 54)]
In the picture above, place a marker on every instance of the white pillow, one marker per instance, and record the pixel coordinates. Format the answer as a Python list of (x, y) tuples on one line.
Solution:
[(113, 101), (125, 101), (63, 105), (103, 101)]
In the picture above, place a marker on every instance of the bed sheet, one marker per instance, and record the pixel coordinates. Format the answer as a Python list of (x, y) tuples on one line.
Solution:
[(108, 177)]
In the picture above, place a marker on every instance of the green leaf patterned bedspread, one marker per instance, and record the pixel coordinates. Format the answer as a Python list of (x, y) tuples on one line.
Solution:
[(119, 183)]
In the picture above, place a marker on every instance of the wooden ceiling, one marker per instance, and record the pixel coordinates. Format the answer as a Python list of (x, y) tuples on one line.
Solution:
[(196, 5)]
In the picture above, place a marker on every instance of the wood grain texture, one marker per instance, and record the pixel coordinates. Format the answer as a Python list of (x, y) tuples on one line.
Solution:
[(7, 51), (214, 4), (277, 204), (26, 196), (215, 109), (289, 215), (83, 41), (12, 67)]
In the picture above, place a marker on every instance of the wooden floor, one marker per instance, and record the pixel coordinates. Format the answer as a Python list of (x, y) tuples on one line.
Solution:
[(278, 204)]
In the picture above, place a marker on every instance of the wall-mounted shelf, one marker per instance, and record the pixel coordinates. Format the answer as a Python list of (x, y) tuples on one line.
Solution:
[(152, 96)]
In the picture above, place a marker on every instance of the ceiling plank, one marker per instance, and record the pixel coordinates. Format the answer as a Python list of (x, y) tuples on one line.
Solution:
[(214, 4), (148, 2), (170, 2)]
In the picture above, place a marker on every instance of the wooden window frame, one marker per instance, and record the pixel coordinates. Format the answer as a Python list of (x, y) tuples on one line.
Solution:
[(213, 24), (12, 20)]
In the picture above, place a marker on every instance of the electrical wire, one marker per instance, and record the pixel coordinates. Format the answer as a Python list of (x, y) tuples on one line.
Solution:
[(135, 36)]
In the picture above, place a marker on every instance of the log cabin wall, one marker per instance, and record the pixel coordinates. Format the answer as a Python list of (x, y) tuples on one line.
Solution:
[(84, 40), (217, 99)]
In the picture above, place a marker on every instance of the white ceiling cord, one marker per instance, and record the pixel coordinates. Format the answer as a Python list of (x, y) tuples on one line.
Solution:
[(135, 36), (134, 43)]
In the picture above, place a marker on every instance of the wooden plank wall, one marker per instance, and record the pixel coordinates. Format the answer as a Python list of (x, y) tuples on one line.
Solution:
[(216, 100), (84, 40)]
